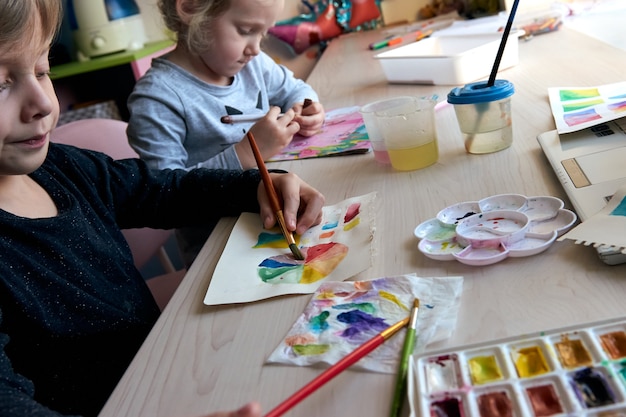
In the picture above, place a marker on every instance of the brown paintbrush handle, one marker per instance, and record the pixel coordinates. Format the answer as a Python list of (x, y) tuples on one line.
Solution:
[(265, 175), (283, 228), (271, 193)]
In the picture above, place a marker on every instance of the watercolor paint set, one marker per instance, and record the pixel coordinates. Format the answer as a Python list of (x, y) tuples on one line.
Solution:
[(571, 371)]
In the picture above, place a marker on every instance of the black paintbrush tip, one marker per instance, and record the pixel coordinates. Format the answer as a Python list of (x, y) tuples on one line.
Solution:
[(296, 252)]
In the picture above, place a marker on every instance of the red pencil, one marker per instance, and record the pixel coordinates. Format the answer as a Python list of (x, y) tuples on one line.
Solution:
[(337, 368)]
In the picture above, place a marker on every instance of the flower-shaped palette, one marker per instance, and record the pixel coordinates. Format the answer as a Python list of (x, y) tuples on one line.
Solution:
[(487, 231)]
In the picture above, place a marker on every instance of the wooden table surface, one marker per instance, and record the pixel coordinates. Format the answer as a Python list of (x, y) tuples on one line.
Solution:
[(199, 359)]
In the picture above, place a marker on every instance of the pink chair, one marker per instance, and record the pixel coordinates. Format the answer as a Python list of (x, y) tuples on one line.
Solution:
[(109, 136)]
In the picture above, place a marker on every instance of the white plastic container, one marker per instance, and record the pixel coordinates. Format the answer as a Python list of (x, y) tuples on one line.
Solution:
[(448, 60)]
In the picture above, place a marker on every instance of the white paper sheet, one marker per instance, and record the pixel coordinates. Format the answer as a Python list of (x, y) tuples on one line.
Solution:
[(335, 250)]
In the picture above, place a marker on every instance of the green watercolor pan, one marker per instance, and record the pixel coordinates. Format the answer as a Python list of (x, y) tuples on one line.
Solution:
[(573, 371)]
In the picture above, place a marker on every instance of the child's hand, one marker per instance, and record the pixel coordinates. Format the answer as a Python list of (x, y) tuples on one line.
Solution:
[(301, 203), (272, 133), (310, 118)]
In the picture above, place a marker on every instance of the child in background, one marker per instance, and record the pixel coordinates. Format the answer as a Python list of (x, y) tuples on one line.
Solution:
[(73, 308), (216, 69)]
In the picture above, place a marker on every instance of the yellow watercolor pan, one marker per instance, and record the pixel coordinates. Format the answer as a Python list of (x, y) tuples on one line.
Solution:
[(529, 361), (484, 368), (578, 370)]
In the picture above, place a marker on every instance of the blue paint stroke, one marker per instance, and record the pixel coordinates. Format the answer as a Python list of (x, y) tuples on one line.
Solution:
[(620, 210), (328, 226), (360, 322), (332, 220), (319, 323), (274, 263)]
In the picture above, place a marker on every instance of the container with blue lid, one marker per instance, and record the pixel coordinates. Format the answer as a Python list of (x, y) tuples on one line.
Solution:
[(484, 115), (479, 92)]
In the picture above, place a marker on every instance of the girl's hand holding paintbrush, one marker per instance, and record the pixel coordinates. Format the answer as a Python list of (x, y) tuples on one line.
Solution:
[(276, 207), (301, 204)]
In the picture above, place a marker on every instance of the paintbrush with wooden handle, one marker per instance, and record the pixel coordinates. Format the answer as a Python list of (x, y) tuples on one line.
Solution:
[(273, 197)]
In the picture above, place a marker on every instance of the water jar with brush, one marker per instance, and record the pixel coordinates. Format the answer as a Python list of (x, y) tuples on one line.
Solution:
[(483, 108)]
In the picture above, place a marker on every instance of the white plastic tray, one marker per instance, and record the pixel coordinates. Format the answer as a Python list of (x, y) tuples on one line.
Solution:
[(448, 60)]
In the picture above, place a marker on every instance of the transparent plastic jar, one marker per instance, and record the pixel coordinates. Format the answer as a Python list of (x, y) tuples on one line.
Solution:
[(484, 115)]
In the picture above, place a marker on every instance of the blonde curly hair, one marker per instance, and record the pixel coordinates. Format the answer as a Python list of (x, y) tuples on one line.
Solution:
[(192, 22)]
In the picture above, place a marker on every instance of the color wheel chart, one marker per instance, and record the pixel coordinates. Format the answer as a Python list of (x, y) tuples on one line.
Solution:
[(576, 108)]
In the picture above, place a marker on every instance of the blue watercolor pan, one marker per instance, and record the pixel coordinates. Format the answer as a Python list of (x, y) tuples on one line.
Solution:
[(572, 371)]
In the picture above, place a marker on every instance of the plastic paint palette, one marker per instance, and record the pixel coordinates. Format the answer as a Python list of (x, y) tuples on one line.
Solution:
[(572, 371), (487, 231)]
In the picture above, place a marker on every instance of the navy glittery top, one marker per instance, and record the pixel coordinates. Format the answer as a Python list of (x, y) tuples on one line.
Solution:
[(73, 308)]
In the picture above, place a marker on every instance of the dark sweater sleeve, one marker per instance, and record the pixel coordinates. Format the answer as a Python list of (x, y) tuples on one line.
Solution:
[(141, 197)]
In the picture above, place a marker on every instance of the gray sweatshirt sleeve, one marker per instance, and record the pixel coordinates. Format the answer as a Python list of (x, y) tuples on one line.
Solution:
[(175, 117)]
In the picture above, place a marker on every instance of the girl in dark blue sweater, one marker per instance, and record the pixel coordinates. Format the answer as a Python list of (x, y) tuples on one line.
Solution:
[(73, 308)]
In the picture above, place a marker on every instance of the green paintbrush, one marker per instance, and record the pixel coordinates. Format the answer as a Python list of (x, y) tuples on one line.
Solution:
[(407, 350)]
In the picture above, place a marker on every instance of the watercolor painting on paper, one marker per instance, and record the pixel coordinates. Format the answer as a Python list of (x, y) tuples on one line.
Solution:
[(257, 264), (576, 108), (341, 316), (343, 133)]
